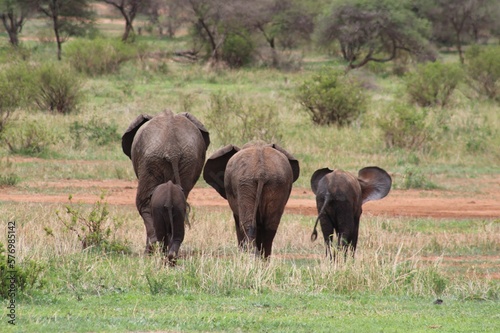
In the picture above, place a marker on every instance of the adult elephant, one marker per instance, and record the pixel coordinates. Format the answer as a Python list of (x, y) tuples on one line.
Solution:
[(256, 180), (165, 147), (339, 197)]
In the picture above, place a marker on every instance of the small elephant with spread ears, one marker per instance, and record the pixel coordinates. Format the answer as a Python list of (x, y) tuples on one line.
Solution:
[(166, 147), (339, 197), (256, 180)]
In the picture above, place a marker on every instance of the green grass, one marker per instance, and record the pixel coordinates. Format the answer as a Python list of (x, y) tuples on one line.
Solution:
[(247, 312)]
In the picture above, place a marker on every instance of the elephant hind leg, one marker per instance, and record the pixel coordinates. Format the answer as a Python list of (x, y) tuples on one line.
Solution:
[(264, 242), (239, 233)]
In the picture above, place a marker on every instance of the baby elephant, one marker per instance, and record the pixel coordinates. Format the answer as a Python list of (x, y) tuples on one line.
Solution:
[(168, 207), (339, 196)]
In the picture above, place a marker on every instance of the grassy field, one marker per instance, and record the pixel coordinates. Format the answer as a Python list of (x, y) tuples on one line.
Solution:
[(402, 265)]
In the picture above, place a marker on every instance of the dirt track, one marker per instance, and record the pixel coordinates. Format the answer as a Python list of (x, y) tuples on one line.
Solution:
[(436, 204)]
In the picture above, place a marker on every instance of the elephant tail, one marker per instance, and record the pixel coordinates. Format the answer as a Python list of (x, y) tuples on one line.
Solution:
[(314, 234), (171, 254), (258, 196)]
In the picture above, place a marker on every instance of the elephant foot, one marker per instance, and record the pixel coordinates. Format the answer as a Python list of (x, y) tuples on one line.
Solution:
[(173, 252)]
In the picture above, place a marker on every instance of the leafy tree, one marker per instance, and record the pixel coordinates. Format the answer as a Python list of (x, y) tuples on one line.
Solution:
[(14, 14), (69, 18), (375, 30), (456, 22), (215, 20), (129, 10), (285, 22)]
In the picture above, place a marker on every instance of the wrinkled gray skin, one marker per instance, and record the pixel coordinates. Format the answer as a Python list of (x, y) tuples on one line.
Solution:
[(339, 197), (257, 181), (165, 147), (168, 207)]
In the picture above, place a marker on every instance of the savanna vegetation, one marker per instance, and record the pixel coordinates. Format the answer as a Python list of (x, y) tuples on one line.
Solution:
[(419, 100)]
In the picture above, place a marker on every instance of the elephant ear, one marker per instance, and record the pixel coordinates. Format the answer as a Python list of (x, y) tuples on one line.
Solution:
[(215, 168), (375, 183), (128, 136), (203, 130), (293, 161), (317, 176)]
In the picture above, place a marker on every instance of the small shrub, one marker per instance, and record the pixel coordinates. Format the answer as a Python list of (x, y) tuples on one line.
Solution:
[(97, 131), (432, 84), (234, 119), (99, 56), (483, 70), (404, 126), (331, 97), (58, 88), (15, 84), (32, 138), (10, 179), (26, 275), (414, 178), (237, 50), (94, 228)]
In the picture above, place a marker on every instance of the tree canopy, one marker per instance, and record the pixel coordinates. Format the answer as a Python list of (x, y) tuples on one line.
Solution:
[(375, 30)]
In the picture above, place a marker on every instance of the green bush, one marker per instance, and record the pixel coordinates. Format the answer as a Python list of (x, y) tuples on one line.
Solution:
[(15, 85), (32, 138), (99, 56), (483, 70), (404, 126), (237, 50), (331, 97), (96, 131), (26, 275), (58, 88), (238, 121), (433, 83), (10, 179), (414, 178)]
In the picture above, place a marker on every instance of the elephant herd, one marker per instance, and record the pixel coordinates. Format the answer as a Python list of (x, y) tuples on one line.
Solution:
[(168, 155)]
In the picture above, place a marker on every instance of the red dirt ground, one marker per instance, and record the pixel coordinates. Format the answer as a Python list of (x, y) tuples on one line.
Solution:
[(416, 203)]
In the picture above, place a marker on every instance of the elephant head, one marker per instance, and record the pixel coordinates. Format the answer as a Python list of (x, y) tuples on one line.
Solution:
[(257, 181), (165, 147), (339, 197), (168, 208)]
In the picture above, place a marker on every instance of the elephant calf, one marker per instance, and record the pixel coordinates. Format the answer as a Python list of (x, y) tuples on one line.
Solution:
[(168, 207), (257, 181), (339, 197)]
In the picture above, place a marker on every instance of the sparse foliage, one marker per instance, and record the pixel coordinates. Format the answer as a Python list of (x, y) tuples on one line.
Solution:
[(96, 130), (404, 126), (29, 138), (129, 10), (94, 228), (14, 14), (237, 120), (483, 70), (457, 22), (68, 18)]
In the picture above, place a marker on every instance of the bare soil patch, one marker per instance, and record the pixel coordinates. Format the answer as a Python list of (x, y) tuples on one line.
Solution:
[(414, 203)]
